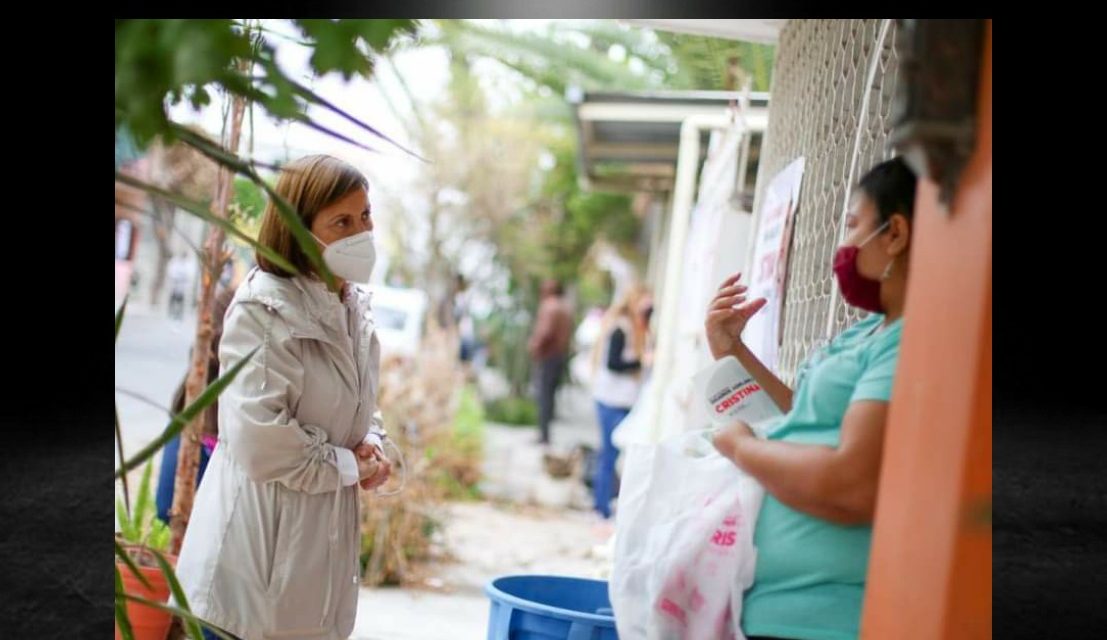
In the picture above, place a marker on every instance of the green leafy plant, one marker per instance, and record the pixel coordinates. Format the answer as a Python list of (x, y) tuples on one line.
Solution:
[(139, 525), (160, 62), (457, 461), (143, 538), (513, 410), (469, 420)]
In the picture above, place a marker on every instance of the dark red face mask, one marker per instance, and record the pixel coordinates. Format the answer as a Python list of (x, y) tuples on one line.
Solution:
[(857, 290)]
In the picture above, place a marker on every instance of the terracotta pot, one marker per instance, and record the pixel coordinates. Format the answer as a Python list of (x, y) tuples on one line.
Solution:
[(148, 623)]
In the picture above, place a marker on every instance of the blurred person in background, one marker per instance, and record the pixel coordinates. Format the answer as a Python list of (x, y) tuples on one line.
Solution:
[(548, 348), (619, 356)]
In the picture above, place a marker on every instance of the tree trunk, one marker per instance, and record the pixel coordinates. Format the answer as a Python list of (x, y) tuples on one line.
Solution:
[(214, 256)]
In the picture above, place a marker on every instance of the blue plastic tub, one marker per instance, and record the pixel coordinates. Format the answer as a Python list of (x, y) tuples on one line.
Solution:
[(549, 608)]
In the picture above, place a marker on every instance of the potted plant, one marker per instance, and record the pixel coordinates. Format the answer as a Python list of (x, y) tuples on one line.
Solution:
[(142, 534)]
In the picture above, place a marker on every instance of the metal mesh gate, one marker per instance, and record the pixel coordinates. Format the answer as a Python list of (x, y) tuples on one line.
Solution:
[(820, 111)]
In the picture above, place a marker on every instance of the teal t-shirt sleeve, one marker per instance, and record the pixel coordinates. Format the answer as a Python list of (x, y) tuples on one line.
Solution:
[(876, 381)]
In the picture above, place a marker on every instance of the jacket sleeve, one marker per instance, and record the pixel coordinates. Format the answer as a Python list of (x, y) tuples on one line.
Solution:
[(376, 433), (615, 360), (255, 418)]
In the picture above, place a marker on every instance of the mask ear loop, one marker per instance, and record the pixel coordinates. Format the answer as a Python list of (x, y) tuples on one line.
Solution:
[(888, 269), (879, 230), (403, 470)]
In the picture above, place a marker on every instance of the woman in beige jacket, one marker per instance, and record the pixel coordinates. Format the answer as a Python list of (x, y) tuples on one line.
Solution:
[(272, 547)]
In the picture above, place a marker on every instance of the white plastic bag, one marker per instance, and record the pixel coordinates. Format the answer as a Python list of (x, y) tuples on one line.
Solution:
[(684, 542), (635, 427)]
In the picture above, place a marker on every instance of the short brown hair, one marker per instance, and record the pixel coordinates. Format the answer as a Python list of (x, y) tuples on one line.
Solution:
[(308, 184)]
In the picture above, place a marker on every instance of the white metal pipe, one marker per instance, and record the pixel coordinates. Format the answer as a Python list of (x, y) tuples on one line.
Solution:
[(683, 194)]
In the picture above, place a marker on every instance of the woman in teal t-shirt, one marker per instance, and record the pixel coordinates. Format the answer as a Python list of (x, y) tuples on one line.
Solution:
[(820, 463)]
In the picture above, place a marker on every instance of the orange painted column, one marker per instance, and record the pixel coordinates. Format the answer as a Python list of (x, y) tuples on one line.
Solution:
[(930, 572)]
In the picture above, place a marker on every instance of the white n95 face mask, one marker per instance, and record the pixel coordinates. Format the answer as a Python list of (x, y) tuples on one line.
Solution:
[(351, 258)]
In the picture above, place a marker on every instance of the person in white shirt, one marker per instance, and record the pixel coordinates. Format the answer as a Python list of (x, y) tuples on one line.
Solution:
[(619, 356)]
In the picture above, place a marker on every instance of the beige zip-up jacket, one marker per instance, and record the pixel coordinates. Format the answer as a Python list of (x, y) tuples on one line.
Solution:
[(273, 541)]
